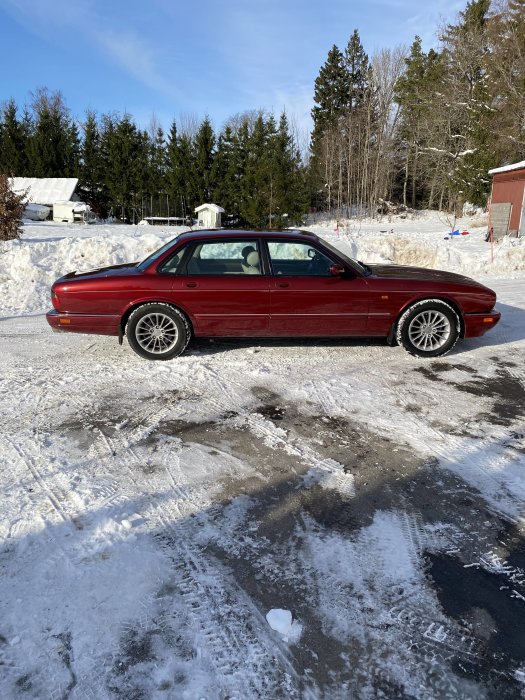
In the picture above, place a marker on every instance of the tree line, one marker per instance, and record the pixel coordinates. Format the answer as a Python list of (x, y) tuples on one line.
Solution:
[(421, 128), (252, 168), (409, 126)]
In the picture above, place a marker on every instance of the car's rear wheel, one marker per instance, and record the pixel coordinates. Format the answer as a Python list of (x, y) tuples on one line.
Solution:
[(158, 331), (429, 328)]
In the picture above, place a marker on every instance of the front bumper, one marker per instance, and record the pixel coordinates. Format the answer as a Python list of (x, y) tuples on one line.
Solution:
[(83, 323), (479, 324)]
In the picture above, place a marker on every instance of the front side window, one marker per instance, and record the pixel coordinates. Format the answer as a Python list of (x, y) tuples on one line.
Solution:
[(295, 258), (225, 258)]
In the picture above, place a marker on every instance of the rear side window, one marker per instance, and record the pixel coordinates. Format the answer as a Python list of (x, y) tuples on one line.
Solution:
[(225, 258)]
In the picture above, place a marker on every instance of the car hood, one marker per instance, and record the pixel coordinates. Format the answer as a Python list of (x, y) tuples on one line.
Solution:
[(111, 270), (419, 273)]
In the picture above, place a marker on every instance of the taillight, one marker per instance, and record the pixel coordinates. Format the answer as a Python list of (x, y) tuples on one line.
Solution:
[(54, 299)]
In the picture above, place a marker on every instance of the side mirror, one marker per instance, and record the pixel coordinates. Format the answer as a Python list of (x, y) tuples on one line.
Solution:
[(337, 270)]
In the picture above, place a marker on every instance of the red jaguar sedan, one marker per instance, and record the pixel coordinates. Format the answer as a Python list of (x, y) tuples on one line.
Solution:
[(248, 284)]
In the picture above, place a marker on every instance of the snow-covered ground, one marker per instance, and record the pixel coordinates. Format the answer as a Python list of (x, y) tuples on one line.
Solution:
[(260, 520)]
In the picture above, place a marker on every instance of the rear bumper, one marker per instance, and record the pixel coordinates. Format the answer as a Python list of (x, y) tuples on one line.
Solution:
[(479, 324), (83, 323)]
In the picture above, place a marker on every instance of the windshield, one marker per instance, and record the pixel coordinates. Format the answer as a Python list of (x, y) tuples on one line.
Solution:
[(156, 255), (356, 264)]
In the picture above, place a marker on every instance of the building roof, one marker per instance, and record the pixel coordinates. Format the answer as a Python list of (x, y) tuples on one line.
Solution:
[(508, 168), (45, 190), (213, 207)]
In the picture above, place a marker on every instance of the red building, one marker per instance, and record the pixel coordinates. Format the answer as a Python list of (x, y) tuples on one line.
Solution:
[(508, 200)]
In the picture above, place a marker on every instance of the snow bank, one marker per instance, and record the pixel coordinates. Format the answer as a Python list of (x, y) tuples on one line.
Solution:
[(470, 256), (47, 251), (29, 266)]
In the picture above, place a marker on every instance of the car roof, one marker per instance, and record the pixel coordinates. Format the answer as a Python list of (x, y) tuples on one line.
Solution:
[(239, 233)]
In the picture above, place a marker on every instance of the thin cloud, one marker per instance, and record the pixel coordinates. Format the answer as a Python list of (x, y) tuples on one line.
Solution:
[(136, 57), (126, 49)]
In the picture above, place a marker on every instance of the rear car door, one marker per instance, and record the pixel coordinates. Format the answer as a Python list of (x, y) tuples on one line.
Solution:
[(306, 299), (224, 288)]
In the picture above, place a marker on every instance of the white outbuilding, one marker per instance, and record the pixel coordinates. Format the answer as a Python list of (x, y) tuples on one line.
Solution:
[(209, 215), (57, 194)]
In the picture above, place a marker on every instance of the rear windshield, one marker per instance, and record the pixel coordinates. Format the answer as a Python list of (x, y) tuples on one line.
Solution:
[(157, 254)]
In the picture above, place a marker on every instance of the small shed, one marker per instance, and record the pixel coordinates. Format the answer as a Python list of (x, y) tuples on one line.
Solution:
[(72, 212), (209, 215), (507, 206)]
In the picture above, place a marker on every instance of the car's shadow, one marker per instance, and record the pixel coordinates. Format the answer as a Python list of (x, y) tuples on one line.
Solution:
[(510, 329), (205, 346)]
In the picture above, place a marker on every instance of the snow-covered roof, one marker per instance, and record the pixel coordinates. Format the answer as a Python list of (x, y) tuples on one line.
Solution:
[(213, 207), (507, 168), (45, 190)]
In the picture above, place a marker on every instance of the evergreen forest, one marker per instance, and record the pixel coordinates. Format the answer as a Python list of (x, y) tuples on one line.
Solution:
[(414, 127)]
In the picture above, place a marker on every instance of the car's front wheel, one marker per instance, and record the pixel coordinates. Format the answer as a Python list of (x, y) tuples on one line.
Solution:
[(429, 328), (158, 331)]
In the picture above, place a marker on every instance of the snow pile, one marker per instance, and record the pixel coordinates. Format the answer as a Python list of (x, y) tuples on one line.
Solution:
[(29, 267), (47, 251), (469, 256)]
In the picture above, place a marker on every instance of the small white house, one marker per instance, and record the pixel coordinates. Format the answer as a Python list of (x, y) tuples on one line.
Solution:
[(209, 215)]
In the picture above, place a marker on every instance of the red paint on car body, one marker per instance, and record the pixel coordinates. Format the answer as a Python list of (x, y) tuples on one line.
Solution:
[(360, 302)]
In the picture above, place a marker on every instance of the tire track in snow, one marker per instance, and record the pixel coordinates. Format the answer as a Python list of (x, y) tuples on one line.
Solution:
[(228, 620), (332, 472), (30, 465), (228, 629)]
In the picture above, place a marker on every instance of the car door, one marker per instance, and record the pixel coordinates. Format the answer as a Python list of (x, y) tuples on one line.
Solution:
[(224, 288), (306, 299)]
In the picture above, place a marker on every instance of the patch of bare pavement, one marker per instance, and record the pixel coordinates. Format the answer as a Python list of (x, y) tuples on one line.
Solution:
[(329, 548)]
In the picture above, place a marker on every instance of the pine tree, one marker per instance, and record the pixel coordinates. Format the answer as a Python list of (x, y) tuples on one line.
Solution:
[(174, 174), (358, 71), (14, 137), (158, 168), (48, 145), (123, 157), (255, 190), (91, 177), (73, 151), (204, 152), (412, 94), (180, 172), (292, 195), (467, 89), (506, 74), (225, 174), (331, 96)]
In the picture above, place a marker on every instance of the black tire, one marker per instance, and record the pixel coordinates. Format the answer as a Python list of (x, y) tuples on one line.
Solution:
[(429, 328), (158, 331)]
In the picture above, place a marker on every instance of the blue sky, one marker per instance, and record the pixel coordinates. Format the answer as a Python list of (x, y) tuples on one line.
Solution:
[(202, 57)]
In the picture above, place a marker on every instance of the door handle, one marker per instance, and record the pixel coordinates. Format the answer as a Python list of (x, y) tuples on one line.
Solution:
[(283, 284), (191, 284)]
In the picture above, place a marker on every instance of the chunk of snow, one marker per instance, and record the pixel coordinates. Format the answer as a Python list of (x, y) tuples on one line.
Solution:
[(280, 620)]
